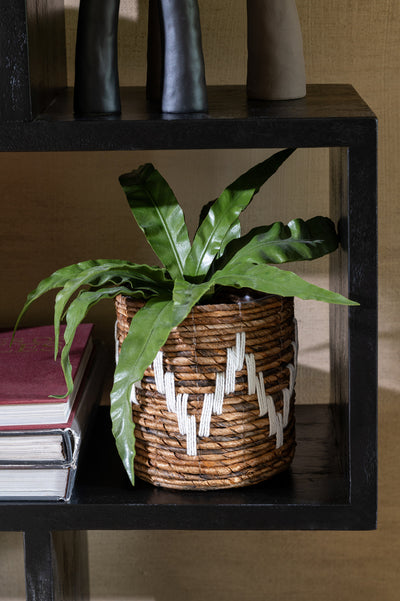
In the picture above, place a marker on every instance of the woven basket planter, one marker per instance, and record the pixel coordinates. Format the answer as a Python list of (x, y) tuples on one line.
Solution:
[(216, 407)]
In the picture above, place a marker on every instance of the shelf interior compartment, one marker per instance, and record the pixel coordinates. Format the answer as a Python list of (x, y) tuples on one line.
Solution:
[(315, 477)]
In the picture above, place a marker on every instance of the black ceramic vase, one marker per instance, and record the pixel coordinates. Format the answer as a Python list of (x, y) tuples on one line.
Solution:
[(175, 63), (275, 68), (96, 59)]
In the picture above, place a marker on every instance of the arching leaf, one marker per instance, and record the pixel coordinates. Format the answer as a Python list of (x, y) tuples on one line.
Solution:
[(159, 216), (278, 243), (56, 280), (143, 277), (224, 213), (75, 314), (149, 330), (273, 280)]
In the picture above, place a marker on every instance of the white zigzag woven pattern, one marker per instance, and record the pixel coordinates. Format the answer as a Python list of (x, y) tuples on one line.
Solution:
[(225, 383)]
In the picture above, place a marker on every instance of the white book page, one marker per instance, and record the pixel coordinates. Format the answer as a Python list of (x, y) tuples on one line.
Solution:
[(20, 483), (46, 447)]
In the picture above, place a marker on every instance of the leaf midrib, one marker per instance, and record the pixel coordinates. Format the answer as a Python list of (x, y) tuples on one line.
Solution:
[(205, 248), (166, 229), (279, 242)]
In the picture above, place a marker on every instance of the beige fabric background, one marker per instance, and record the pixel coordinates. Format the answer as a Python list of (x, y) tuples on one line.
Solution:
[(61, 208)]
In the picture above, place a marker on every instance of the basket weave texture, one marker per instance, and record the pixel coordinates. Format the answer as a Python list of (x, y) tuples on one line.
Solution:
[(216, 408)]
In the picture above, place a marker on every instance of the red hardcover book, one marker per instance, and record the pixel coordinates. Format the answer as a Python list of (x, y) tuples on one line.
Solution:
[(29, 377), (42, 463)]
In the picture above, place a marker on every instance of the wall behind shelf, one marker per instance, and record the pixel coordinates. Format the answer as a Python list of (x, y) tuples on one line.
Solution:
[(88, 217), (345, 42)]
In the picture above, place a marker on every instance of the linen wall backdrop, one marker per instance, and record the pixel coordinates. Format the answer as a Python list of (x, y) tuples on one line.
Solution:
[(344, 42)]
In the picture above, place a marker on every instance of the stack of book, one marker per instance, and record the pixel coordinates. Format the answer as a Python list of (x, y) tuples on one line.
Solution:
[(40, 435)]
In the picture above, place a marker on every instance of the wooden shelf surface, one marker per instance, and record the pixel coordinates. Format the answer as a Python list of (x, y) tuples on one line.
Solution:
[(231, 122), (313, 493)]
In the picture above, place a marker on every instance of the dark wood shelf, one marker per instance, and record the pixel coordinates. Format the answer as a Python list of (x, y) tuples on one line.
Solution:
[(333, 481), (298, 499), (314, 494), (330, 115)]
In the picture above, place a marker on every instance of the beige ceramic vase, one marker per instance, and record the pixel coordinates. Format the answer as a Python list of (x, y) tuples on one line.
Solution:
[(275, 69)]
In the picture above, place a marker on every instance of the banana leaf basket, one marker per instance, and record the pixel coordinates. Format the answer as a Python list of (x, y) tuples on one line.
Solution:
[(216, 408)]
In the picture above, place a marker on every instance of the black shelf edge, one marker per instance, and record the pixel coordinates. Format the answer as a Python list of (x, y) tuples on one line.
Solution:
[(231, 122), (312, 494)]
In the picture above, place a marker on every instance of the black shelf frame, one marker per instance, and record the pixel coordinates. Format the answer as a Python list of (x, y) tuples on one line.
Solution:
[(333, 482), (331, 115), (104, 499)]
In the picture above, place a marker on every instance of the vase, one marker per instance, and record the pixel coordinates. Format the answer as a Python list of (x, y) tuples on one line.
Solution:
[(175, 63), (155, 54), (96, 89), (216, 407), (275, 66)]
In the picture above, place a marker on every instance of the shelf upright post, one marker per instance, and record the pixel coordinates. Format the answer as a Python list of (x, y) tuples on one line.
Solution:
[(56, 565), (363, 285), (354, 338), (33, 57)]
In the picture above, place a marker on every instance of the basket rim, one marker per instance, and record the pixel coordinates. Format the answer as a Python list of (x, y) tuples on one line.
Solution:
[(209, 307)]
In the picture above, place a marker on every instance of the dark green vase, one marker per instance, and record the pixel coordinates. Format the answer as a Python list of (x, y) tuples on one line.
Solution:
[(175, 63), (96, 59)]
